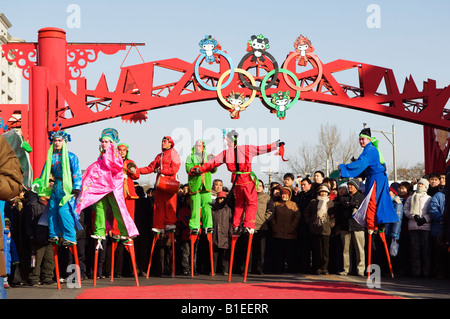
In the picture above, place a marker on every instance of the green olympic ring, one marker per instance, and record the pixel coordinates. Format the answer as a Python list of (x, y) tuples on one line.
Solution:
[(263, 89)]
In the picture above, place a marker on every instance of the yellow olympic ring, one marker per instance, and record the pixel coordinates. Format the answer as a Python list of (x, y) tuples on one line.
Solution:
[(219, 89)]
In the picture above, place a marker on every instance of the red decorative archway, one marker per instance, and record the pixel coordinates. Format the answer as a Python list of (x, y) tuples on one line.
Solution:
[(51, 99)]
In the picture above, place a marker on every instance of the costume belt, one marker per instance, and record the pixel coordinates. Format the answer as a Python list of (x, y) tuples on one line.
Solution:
[(252, 176)]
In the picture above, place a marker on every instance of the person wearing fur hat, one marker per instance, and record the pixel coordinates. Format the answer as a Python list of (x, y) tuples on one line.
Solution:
[(103, 188), (63, 167), (319, 216), (167, 163), (416, 209)]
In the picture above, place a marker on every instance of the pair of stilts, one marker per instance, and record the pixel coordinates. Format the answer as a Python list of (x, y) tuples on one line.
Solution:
[(129, 246), (193, 238), (156, 237), (73, 249), (369, 250)]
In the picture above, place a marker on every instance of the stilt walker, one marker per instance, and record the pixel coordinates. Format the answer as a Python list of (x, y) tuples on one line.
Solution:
[(238, 159), (103, 188), (166, 166), (63, 168), (376, 210), (200, 195), (130, 197)]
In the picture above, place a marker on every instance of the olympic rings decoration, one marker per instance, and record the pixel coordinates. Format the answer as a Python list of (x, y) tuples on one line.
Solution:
[(235, 109), (275, 65), (281, 109), (197, 65), (313, 59)]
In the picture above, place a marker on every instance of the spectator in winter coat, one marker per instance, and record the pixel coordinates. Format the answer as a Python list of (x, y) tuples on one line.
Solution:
[(11, 177), (263, 216), (222, 223), (416, 209), (41, 248), (284, 224), (351, 231), (319, 216), (437, 208)]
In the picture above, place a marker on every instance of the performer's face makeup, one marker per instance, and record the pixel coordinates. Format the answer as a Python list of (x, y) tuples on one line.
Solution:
[(165, 143), (58, 142), (122, 151), (105, 144), (199, 147), (363, 141)]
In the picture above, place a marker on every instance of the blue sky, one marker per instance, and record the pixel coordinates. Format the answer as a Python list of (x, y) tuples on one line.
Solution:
[(412, 40)]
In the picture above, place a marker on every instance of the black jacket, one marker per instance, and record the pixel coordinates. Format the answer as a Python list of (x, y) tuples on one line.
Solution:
[(32, 212), (345, 207)]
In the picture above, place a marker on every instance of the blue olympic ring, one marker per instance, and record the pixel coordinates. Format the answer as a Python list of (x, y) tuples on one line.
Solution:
[(197, 75), (3, 125)]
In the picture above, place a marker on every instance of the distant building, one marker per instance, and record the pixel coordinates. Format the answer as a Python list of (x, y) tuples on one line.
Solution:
[(11, 75)]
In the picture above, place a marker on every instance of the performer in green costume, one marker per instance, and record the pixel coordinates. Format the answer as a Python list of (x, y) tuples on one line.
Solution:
[(199, 189)]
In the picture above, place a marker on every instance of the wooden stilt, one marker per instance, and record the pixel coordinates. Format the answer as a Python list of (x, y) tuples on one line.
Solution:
[(249, 248)]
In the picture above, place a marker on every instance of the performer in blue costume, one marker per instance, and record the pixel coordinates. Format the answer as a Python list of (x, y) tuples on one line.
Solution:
[(63, 166), (376, 209)]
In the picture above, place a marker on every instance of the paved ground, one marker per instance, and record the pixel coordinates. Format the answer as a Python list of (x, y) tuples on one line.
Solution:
[(410, 288)]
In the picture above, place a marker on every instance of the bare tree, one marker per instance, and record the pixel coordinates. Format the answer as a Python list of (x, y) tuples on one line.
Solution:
[(330, 146), (304, 161), (408, 173)]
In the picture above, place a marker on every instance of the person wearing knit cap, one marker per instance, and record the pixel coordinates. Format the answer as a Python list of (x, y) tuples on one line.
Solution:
[(352, 234), (103, 188), (355, 182), (377, 209), (166, 164), (416, 209), (63, 166)]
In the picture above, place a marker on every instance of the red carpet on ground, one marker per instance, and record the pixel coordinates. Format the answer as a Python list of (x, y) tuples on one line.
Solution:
[(291, 290)]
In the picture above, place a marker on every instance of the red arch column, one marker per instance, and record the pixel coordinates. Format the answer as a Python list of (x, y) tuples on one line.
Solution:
[(51, 68)]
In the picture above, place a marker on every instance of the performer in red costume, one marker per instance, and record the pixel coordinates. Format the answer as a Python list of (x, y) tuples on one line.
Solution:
[(238, 159), (166, 166), (243, 179)]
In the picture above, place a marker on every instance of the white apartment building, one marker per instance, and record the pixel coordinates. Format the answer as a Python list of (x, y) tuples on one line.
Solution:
[(11, 75)]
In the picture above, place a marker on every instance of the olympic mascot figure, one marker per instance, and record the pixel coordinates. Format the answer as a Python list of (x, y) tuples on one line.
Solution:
[(238, 159), (376, 209), (166, 166)]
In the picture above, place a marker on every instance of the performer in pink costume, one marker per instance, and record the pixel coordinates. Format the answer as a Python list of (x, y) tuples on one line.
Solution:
[(103, 187)]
